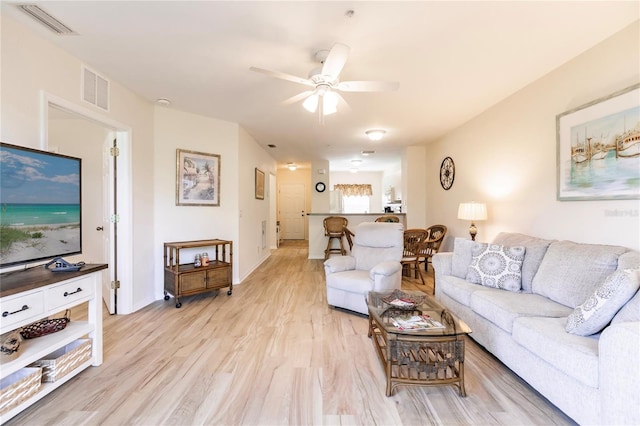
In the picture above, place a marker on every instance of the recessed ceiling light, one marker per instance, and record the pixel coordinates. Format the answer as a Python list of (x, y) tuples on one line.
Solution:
[(271, 145), (375, 134), (356, 162), (292, 167), (367, 152), (163, 102)]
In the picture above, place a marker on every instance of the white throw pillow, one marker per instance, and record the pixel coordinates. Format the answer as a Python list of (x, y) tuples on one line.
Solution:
[(597, 311), (497, 266)]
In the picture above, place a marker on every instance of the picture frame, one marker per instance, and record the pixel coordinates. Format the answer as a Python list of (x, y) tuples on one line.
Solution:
[(197, 178), (259, 184), (598, 149)]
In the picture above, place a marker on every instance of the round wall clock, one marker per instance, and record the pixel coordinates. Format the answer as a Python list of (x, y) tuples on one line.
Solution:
[(447, 173), (320, 187)]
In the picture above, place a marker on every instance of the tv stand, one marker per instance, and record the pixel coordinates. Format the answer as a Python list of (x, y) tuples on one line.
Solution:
[(45, 293)]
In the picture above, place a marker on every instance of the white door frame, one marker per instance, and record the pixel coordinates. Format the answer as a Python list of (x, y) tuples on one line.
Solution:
[(125, 223)]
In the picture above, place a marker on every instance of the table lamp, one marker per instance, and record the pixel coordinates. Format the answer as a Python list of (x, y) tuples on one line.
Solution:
[(472, 211)]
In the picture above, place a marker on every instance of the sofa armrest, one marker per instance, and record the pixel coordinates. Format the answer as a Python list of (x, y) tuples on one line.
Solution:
[(339, 264), (386, 268), (442, 263), (386, 275), (619, 373)]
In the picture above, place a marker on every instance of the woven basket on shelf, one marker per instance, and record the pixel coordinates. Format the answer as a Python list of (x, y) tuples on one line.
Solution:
[(44, 327), (61, 362), (17, 387)]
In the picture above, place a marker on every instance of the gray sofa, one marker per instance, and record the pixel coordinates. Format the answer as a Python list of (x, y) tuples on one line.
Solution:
[(593, 378)]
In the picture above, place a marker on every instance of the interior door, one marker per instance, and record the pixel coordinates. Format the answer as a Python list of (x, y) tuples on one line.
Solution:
[(72, 135), (292, 214)]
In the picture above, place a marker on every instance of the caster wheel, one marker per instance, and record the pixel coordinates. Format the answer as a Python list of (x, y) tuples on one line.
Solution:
[(166, 297), (178, 305), (229, 293)]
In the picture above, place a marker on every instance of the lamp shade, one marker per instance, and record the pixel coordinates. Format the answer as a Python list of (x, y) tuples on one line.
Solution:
[(472, 211)]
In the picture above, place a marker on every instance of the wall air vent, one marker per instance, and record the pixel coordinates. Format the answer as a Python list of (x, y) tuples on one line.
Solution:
[(95, 89), (37, 13)]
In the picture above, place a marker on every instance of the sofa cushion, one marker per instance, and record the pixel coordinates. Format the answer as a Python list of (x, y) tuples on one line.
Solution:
[(597, 311), (458, 289), (576, 356), (629, 260), (461, 257), (569, 271), (503, 307), (496, 266), (535, 248)]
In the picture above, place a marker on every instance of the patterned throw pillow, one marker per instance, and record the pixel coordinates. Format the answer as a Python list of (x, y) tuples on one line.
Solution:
[(596, 312), (497, 266)]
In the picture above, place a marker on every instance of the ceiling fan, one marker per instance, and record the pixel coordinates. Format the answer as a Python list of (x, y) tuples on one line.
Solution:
[(325, 82)]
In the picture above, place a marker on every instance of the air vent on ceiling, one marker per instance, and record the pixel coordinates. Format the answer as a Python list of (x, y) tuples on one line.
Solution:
[(95, 89), (37, 13)]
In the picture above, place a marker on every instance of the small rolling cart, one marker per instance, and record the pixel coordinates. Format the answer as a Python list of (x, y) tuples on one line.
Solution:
[(186, 279)]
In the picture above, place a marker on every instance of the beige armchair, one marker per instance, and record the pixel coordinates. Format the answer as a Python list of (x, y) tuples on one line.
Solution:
[(374, 265)]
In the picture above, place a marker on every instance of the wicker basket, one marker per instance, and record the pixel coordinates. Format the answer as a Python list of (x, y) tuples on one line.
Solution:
[(17, 387), (10, 346), (64, 360)]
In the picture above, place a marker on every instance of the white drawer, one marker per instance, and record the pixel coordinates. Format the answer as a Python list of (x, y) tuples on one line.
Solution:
[(17, 309), (68, 293)]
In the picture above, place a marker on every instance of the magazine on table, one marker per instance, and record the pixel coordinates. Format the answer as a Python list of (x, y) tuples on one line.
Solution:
[(415, 323)]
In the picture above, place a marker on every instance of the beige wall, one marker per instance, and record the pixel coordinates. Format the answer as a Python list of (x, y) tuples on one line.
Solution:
[(506, 157), (32, 66)]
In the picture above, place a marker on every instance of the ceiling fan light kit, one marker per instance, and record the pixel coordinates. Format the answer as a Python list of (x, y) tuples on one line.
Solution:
[(324, 98)]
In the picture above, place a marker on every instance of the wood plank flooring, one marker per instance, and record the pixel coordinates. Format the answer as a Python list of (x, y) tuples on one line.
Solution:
[(273, 353)]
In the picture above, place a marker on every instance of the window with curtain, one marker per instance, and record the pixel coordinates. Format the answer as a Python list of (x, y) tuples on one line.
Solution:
[(356, 198)]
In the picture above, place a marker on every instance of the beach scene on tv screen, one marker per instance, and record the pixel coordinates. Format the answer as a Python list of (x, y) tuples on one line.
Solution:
[(40, 205)]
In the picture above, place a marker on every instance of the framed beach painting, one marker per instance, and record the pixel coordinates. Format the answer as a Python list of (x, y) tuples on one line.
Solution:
[(197, 178), (598, 149), (259, 184)]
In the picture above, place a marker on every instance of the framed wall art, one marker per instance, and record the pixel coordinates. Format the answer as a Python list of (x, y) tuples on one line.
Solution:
[(598, 149), (259, 184), (197, 178)]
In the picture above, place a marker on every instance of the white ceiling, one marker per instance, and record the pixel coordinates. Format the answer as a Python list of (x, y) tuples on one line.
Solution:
[(453, 60)]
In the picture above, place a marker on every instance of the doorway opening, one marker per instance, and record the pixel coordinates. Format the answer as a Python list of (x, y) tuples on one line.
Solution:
[(109, 233)]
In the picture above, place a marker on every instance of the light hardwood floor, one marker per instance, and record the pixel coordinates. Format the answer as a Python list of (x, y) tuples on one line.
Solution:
[(273, 353)]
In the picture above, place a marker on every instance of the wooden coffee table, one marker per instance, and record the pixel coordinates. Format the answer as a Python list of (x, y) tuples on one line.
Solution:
[(431, 357)]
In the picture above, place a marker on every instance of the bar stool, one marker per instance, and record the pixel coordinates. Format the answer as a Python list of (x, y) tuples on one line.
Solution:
[(334, 229)]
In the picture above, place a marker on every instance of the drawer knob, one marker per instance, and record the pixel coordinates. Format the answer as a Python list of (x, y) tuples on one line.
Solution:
[(6, 313), (66, 293)]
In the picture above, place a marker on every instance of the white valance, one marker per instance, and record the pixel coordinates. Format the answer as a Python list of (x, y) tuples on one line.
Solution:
[(353, 189)]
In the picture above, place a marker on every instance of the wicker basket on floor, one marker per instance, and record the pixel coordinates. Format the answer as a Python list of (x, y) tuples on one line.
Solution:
[(64, 360), (18, 387)]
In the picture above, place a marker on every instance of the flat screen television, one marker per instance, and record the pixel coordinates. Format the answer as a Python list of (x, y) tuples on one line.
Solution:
[(40, 205)]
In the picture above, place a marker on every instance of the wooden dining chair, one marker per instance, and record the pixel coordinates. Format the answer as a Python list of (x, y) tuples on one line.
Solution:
[(388, 218), (413, 247), (432, 244)]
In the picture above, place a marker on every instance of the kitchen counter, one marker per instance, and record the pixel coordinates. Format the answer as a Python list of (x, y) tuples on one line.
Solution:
[(317, 240)]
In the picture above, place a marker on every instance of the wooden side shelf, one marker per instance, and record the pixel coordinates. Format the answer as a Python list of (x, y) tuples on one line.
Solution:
[(185, 279)]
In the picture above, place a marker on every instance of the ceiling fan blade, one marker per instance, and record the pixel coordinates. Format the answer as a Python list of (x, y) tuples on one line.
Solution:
[(335, 60), (298, 97), (368, 86), (283, 76)]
